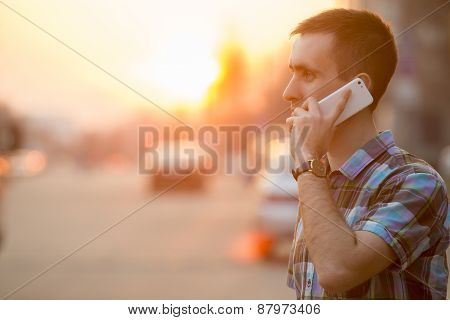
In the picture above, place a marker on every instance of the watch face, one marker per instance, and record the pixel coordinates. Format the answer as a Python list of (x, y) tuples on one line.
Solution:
[(318, 168)]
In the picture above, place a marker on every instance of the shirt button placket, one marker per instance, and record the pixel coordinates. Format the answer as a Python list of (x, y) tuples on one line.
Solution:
[(309, 279)]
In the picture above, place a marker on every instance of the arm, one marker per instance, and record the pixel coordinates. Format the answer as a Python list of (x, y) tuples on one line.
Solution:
[(342, 257)]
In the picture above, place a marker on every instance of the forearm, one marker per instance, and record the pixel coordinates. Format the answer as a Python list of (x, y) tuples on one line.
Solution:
[(330, 242)]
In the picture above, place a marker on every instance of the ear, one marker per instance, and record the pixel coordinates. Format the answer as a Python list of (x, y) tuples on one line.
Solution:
[(366, 78)]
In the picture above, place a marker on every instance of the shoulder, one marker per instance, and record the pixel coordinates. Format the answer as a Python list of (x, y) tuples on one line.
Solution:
[(417, 186), (406, 167)]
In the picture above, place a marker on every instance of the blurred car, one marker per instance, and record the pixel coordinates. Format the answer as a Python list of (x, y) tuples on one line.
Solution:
[(279, 204), (26, 163), (173, 161)]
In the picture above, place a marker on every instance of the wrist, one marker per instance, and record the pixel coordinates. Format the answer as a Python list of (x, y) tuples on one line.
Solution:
[(304, 175), (307, 155), (307, 179)]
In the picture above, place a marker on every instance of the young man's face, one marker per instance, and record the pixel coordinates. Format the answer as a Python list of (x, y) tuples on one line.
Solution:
[(313, 67)]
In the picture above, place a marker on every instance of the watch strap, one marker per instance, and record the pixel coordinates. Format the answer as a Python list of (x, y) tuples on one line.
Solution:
[(315, 166), (301, 168)]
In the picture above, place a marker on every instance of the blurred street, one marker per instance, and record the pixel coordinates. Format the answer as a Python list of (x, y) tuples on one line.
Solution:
[(175, 248)]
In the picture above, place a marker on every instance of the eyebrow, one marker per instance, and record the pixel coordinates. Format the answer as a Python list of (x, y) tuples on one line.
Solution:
[(301, 66)]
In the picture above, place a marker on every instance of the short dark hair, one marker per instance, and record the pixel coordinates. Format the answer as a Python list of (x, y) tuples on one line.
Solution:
[(360, 37)]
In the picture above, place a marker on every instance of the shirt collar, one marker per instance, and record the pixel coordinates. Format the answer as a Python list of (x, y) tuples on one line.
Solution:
[(365, 155)]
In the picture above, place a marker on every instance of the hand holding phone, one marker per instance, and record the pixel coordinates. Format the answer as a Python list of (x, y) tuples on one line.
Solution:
[(359, 99)]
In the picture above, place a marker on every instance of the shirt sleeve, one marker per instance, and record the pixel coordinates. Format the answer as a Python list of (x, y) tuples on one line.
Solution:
[(409, 214)]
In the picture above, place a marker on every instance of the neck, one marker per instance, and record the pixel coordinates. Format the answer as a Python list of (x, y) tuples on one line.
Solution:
[(349, 136)]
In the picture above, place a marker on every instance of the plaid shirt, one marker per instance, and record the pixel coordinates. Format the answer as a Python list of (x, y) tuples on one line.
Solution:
[(387, 191)]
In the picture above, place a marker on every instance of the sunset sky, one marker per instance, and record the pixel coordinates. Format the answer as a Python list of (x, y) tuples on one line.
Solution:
[(167, 50)]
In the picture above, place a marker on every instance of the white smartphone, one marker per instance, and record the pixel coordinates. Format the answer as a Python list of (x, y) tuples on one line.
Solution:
[(359, 99)]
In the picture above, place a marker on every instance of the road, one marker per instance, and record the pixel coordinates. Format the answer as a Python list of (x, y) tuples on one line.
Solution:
[(176, 247)]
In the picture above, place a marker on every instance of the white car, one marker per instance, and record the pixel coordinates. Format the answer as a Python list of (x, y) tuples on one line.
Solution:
[(175, 160), (279, 202)]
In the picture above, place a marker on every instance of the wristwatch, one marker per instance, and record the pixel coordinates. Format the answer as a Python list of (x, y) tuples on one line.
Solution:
[(315, 166)]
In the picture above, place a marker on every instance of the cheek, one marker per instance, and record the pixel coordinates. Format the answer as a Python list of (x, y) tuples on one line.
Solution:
[(320, 89), (314, 89)]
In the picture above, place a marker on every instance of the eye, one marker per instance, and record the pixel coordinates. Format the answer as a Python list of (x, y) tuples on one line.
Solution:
[(307, 75)]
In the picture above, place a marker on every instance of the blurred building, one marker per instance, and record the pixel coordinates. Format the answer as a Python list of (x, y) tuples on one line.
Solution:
[(418, 95)]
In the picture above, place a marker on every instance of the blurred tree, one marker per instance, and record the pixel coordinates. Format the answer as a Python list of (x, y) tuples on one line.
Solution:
[(225, 96)]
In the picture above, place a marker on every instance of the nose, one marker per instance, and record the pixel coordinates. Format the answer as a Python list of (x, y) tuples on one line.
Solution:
[(292, 94)]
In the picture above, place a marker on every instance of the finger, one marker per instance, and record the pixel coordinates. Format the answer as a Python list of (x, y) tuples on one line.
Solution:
[(314, 107), (305, 105), (341, 105), (291, 121), (299, 112)]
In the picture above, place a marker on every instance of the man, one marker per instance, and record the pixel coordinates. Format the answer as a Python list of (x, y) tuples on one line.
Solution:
[(375, 225)]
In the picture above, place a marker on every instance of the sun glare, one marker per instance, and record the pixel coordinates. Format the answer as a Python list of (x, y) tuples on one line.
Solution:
[(181, 73)]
